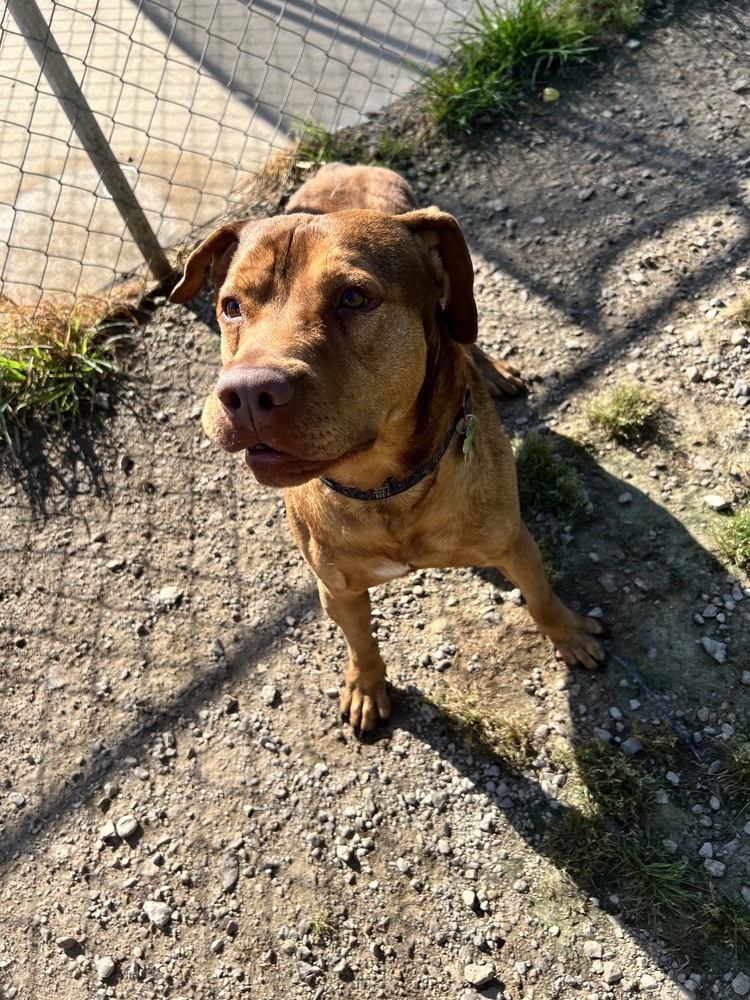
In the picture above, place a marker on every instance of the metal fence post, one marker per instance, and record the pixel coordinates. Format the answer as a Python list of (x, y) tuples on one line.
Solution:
[(38, 35)]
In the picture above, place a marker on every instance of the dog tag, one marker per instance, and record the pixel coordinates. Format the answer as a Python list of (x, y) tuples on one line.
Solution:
[(469, 433)]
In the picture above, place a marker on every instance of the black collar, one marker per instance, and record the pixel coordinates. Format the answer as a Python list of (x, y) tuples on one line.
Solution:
[(390, 487)]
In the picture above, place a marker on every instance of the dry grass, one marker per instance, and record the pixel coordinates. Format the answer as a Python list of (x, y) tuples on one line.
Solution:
[(55, 358)]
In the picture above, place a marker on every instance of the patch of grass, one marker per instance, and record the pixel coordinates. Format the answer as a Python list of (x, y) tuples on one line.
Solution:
[(551, 550), (723, 921), (605, 844), (733, 538), (658, 740), (740, 311), (627, 413), (547, 482), (617, 786), (619, 16), (379, 146), (502, 54), (466, 715), (54, 360), (320, 927), (735, 775)]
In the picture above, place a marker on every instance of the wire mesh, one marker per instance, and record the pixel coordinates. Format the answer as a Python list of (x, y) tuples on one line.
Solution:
[(192, 96)]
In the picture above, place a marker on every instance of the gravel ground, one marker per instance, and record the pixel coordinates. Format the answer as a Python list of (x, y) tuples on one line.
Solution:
[(183, 814)]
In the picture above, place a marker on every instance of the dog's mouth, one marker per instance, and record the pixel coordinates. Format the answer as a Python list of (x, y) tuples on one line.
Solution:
[(261, 448)]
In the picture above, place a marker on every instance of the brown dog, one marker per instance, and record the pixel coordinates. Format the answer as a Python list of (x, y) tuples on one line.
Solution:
[(347, 381)]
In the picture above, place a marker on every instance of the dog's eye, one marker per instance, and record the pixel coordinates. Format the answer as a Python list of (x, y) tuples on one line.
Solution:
[(352, 298), (231, 308)]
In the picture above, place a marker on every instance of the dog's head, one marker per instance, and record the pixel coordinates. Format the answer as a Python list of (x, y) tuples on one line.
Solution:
[(325, 323)]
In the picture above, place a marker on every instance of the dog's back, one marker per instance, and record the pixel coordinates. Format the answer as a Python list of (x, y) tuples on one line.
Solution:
[(338, 187)]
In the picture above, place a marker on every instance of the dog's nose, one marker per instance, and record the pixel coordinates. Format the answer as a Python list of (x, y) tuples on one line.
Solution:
[(251, 396)]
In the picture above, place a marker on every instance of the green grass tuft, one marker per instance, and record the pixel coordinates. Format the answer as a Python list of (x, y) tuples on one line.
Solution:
[(381, 147), (616, 785), (53, 361), (733, 538), (502, 54), (321, 928), (628, 413), (547, 482), (735, 775)]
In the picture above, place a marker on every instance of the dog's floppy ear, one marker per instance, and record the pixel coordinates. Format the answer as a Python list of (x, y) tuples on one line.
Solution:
[(452, 263), (217, 250)]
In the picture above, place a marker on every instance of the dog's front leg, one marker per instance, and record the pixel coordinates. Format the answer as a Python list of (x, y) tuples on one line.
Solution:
[(364, 700), (572, 634)]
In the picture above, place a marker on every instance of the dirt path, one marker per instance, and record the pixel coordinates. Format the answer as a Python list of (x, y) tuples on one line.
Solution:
[(183, 813)]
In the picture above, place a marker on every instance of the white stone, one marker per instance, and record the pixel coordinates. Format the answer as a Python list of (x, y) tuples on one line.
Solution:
[(158, 913), (714, 648)]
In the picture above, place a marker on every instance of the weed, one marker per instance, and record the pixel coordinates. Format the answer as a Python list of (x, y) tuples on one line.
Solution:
[(724, 921), (655, 739), (501, 54), (467, 715), (615, 784), (612, 15), (733, 538), (655, 886), (735, 775), (547, 482), (628, 413), (318, 145), (551, 550), (741, 311), (320, 927), (604, 843), (54, 360)]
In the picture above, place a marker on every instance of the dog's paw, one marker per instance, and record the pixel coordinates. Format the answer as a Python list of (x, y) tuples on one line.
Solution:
[(580, 646), (502, 379), (364, 703)]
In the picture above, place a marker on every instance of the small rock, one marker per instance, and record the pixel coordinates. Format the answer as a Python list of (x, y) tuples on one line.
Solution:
[(229, 872), (469, 898), (706, 851), (585, 193), (479, 975), (714, 648), (67, 942), (108, 831), (18, 800), (631, 746), (158, 913), (715, 502), (611, 973), (714, 868), (268, 694), (741, 984), (344, 853), (672, 778), (625, 498), (592, 949), (105, 967), (168, 596), (125, 827)]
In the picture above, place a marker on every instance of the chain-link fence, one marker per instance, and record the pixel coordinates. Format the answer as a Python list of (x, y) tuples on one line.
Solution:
[(185, 100)]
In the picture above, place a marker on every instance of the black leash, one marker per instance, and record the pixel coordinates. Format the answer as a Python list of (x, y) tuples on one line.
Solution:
[(658, 703)]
